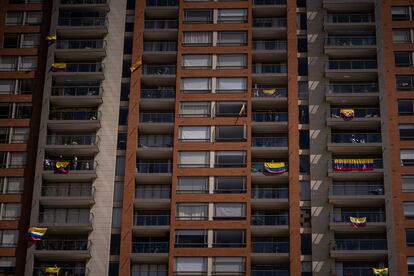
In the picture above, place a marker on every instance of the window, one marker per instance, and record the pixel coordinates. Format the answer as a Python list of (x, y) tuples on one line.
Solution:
[(194, 158), (229, 238), (197, 61), (25, 86), (7, 264), (230, 159), (13, 185), (118, 191), (229, 265), (407, 157), (196, 84), (195, 133), (406, 132), (401, 35), (405, 82), (30, 41), (28, 63), (20, 135), (231, 84), (190, 265), (232, 38), (302, 45), (190, 238), (17, 159), (9, 238), (232, 61), (232, 15), (116, 217), (33, 18), (403, 59), (306, 244), (148, 269), (198, 16), (409, 237), (304, 139), (192, 211), (405, 107), (5, 110), (197, 38), (230, 133), (304, 164), (400, 13), (230, 184), (7, 86), (23, 111), (409, 210), (11, 41), (407, 183), (4, 135), (192, 185), (10, 211), (231, 109), (8, 63), (229, 211), (14, 18), (195, 109), (305, 191), (303, 66)]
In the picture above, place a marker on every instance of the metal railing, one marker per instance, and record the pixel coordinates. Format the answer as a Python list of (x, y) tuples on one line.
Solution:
[(269, 141), (377, 164), (371, 216), (269, 2), (96, 67), (264, 92), (264, 193), (263, 220), (354, 138), (73, 140), (77, 91), (345, 41), (68, 191), (82, 21), (69, 2), (162, 3), (270, 116), (270, 247), (80, 165), (358, 112), (259, 166), (359, 244), (269, 68), (160, 46), (352, 64), (352, 88), (161, 24), (157, 93), (156, 193), (80, 218), (354, 271), (157, 117), (75, 115), (356, 190), (151, 220), (270, 272), (83, 44), (73, 245), (349, 18), (154, 167), (269, 45), (150, 69), (150, 247), (158, 141), (75, 271), (269, 22)]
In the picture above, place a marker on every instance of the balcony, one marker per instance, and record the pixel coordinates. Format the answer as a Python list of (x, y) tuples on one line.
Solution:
[(352, 93), (357, 195), (161, 29), (156, 123), (85, 3), (156, 224), (64, 270), (350, 46), (161, 3), (349, 22), (76, 223), (354, 271), (364, 118), (352, 69), (78, 120), (76, 95), (84, 170), (267, 98), (269, 28), (269, 272), (275, 74), (82, 26), (149, 251), (260, 176), (270, 251), (154, 172), (269, 121), (65, 249), (368, 173), (160, 51), (354, 249), (346, 143), (80, 49), (269, 224), (155, 146), (267, 147), (81, 71), (269, 50), (269, 197), (340, 221), (72, 144), (157, 99), (67, 195), (158, 70), (269, 8)]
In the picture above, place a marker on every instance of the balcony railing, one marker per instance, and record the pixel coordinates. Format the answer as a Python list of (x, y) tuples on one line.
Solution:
[(269, 45), (259, 166), (158, 93), (269, 92), (269, 2), (73, 140), (158, 69), (163, 193), (349, 18), (63, 245), (371, 216), (270, 247), (157, 117), (267, 142), (69, 2), (351, 88), (82, 21), (269, 22), (151, 220), (355, 138), (270, 272), (74, 115), (68, 191), (161, 24), (266, 193), (269, 68), (84, 68), (150, 247), (354, 271), (165, 46), (75, 271), (54, 218), (356, 190), (160, 141), (358, 112), (77, 91), (359, 244), (154, 167), (345, 41), (162, 3), (377, 164), (270, 116), (264, 220), (83, 44), (352, 64)]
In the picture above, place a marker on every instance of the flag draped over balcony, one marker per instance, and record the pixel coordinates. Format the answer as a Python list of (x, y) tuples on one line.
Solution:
[(275, 167), (35, 233), (51, 38), (347, 113), (269, 92), (358, 222), (136, 65), (62, 167), (353, 164), (380, 271), (57, 67), (52, 271)]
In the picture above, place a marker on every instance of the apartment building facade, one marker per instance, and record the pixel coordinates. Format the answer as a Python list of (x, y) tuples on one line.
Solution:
[(191, 137)]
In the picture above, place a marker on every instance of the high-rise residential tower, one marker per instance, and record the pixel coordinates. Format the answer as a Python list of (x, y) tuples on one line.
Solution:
[(207, 137)]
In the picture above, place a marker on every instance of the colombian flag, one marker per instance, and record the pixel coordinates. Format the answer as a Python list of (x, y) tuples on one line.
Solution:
[(59, 67), (136, 65), (380, 271), (269, 92), (51, 38), (347, 114), (52, 271), (358, 222), (62, 167), (36, 234), (353, 164), (275, 167)]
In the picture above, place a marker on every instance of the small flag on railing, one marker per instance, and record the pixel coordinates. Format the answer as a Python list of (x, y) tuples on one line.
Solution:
[(353, 164), (347, 114), (380, 271), (242, 110), (35, 233), (269, 92), (51, 38), (62, 167), (60, 66), (52, 271), (275, 167), (358, 222), (136, 65)]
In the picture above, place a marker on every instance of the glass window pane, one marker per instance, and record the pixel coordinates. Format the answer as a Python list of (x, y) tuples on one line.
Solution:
[(7, 86)]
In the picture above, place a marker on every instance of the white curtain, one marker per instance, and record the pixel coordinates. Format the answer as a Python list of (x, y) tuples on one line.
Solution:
[(20, 134), (407, 154), (190, 264), (401, 35), (8, 63), (12, 210), (231, 84), (30, 40), (229, 210), (197, 37), (195, 133), (229, 264), (409, 209), (196, 84), (192, 184), (10, 237), (197, 60), (7, 86), (18, 159), (408, 183), (232, 60), (196, 109), (187, 211), (28, 63), (15, 184), (194, 158), (232, 14)]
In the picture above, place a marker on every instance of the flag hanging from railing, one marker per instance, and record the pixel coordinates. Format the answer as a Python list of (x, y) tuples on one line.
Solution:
[(347, 113), (358, 222), (353, 164), (380, 271), (136, 65), (52, 271), (269, 92), (51, 38), (62, 167), (275, 167), (58, 67), (35, 233)]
